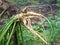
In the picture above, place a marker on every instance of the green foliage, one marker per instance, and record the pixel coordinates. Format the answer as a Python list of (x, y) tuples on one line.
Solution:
[(6, 27), (11, 34)]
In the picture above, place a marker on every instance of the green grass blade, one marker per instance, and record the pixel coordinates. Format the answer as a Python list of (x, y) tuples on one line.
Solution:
[(6, 27), (8, 22), (11, 34)]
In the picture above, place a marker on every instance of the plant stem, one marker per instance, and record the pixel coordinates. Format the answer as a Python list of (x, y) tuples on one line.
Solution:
[(21, 35), (11, 34), (15, 38)]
